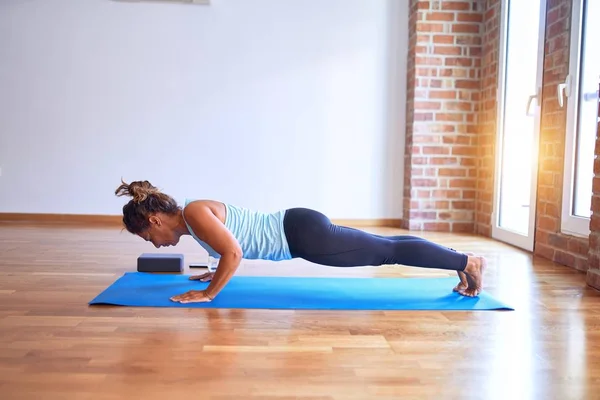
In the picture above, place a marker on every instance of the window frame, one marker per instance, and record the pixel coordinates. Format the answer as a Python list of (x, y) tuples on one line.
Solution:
[(572, 224)]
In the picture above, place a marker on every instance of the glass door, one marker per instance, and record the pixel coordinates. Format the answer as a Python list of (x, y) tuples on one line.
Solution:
[(520, 90), (581, 92)]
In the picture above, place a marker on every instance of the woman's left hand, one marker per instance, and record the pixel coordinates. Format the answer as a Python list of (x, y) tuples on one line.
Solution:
[(193, 296)]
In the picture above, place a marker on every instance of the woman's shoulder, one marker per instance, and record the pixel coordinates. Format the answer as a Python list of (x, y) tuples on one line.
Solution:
[(218, 208)]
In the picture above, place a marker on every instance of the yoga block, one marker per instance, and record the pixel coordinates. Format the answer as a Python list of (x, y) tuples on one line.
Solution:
[(160, 262)]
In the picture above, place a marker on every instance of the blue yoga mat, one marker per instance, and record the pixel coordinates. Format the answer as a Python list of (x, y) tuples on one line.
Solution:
[(139, 289)]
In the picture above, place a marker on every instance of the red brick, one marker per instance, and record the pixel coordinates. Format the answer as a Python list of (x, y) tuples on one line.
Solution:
[(462, 183), (439, 16), (420, 160), (581, 263), (593, 261), (434, 204), (564, 258), (469, 17), (423, 5), (595, 222), (417, 171), (473, 130), (468, 40), (427, 105), (434, 128), (455, 215), (460, 61), (455, 72), (541, 236), (467, 84), (446, 194), (484, 229), (436, 226), (546, 178), (449, 117), (545, 251), (455, 5), (456, 139), (594, 241), (443, 94), (423, 116), (423, 214), (552, 210), (556, 29), (557, 241), (420, 139), (465, 28), (463, 150), (464, 227), (423, 194), (596, 185), (475, 52), (458, 106), (578, 246), (430, 27), (437, 150), (424, 71), (444, 161), (459, 172), (423, 182), (464, 205), (595, 207), (443, 39), (548, 223), (423, 49), (447, 50), (469, 194), (429, 60), (465, 94)]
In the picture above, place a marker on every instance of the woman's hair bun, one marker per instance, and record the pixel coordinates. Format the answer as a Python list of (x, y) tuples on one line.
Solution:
[(138, 190)]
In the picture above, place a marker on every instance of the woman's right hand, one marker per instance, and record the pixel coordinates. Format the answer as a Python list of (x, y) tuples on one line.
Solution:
[(203, 278)]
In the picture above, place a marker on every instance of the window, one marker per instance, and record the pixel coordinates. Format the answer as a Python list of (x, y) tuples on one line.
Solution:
[(581, 87)]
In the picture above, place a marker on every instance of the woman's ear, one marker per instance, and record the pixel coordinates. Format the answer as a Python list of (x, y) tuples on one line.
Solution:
[(154, 220)]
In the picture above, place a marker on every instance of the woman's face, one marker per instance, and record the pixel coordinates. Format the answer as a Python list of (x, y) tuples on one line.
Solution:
[(159, 233)]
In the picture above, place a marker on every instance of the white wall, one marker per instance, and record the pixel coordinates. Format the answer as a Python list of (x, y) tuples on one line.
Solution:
[(263, 103)]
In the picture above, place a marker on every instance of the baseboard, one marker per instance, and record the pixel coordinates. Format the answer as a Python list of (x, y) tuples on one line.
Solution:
[(116, 220), (66, 219)]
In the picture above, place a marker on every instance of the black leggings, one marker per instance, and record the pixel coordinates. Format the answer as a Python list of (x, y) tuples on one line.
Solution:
[(313, 237)]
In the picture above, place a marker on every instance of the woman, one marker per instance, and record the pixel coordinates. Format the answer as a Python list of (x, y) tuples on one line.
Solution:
[(231, 233)]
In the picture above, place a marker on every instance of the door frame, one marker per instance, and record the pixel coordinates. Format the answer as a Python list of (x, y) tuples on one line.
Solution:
[(503, 234)]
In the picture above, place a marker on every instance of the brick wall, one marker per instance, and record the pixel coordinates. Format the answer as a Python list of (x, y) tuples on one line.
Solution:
[(593, 273), (486, 138), (444, 71), (451, 124), (549, 242)]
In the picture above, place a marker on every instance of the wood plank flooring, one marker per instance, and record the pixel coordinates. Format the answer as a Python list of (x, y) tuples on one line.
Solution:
[(54, 346)]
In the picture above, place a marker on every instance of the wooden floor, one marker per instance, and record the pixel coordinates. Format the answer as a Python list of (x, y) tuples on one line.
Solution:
[(54, 346)]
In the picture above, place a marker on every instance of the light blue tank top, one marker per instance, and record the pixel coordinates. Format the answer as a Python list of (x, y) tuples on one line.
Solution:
[(260, 235)]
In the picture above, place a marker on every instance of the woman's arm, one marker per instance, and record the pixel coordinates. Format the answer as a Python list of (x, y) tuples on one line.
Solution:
[(211, 230)]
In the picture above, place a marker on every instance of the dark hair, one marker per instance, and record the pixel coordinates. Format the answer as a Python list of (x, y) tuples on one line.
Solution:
[(147, 200)]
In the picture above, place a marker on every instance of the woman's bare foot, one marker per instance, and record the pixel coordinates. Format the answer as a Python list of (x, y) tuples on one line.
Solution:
[(474, 274), (463, 284)]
